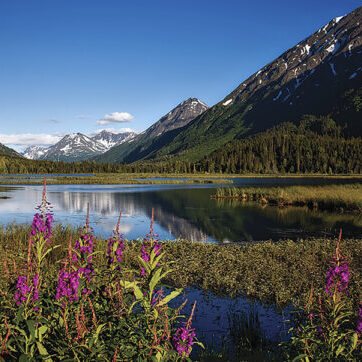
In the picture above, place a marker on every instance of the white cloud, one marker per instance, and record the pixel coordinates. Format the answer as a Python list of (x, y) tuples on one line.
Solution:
[(115, 117), (29, 139)]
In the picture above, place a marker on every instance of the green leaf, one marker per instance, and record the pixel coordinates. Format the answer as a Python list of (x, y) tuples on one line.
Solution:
[(145, 265), (31, 327), (42, 350), (132, 285), (49, 250), (98, 331), (156, 261), (171, 296), (340, 349), (354, 341), (41, 331), (300, 357), (155, 279)]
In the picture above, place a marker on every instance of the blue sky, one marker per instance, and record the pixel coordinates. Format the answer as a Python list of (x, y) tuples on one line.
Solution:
[(79, 66)]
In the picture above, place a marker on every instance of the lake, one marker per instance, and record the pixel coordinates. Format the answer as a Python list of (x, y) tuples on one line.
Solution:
[(181, 211)]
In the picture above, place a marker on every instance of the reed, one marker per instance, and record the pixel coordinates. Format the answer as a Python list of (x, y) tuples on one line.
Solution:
[(343, 198)]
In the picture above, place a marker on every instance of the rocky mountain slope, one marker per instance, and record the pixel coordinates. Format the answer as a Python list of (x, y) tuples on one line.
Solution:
[(34, 152), (153, 138), (110, 139), (313, 77), (73, 147)]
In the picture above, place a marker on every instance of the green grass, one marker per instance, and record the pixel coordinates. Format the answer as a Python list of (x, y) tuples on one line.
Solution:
[(327, 197), (271, 272)]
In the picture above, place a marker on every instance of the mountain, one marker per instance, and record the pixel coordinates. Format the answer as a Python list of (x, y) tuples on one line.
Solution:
[(153, 138), (110, 139), (7, 151), (73, 147), (314, 77), (77, 147), (34, 152)]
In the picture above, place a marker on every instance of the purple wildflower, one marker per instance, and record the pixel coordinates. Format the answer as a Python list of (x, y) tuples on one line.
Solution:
[(85, 245), (337, 276), (157, 248), (144, 255), (42, 225), (184, 339), (26, 288), (68, 284), (115, 249)]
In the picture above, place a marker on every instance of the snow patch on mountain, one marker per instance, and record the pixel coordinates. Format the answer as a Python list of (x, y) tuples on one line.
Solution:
[(227, 102)]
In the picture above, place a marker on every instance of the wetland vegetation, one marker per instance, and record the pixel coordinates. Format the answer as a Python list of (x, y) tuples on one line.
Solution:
[(327, 197), (66, 294)]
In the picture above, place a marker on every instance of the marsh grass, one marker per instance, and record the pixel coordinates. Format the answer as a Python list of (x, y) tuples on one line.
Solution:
[(328, 197), (273, 272)]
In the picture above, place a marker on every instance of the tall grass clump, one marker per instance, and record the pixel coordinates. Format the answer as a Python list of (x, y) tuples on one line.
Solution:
[(327, 197), (96, 308)]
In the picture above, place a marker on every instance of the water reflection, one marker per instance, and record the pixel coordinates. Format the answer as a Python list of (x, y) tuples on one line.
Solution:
[(181, 211)]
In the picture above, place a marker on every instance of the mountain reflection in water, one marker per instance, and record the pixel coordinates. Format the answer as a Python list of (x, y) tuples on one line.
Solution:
[(180, 212)]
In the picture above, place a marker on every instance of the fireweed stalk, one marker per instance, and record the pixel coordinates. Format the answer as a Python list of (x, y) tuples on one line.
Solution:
[(27, 286), (150, 243), (183, 339), (115, 249), (327, 328), (76, 280)]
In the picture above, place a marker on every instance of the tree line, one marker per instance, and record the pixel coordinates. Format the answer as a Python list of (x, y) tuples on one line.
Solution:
[(315, 145)]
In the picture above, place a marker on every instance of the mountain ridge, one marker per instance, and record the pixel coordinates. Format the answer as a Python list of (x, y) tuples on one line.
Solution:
[(309, 78), (144, 143), (77, 146)]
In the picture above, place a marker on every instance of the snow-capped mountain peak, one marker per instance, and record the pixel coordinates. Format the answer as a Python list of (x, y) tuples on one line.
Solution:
[(34, 152), (73, 147), (109, 139), (77, 146)]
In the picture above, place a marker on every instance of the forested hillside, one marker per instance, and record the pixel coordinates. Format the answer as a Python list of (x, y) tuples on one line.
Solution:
[(316, 145), (6, 151)]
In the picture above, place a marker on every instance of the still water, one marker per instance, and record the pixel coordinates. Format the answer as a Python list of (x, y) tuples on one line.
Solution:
[(181, 211)]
